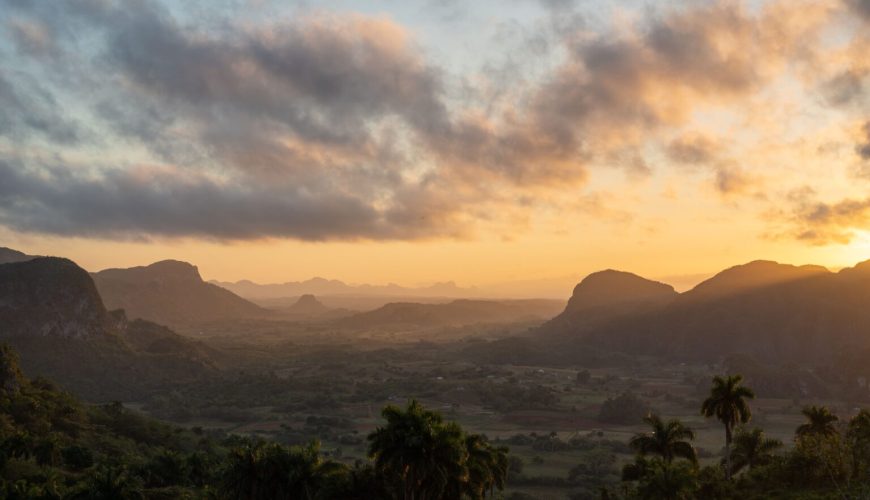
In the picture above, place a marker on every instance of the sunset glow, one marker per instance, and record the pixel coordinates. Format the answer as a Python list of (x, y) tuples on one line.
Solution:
[(425, 142)]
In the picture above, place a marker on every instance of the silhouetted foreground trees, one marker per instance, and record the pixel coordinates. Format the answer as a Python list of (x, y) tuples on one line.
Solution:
[(828, 460), (54, 447)]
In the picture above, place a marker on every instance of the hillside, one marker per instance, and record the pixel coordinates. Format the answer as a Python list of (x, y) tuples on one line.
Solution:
[(455, 313), (766, 310), (605, 295), (52, 314), (8, 256), (171, 293)]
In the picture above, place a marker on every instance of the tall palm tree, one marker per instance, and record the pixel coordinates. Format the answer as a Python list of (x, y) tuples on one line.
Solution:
[(426, 455), (751, 449), (668, 440), (487, 467), (728, 403), (820, 422)]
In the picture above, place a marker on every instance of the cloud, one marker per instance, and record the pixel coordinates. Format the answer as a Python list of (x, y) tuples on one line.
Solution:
[(339, 125), (145, 201), (862, 7), (823, 223), (693, 149), (29, 109), (862, 149), (32, 38)]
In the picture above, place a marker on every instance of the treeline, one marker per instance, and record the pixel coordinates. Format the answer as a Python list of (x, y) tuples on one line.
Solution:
[(830, 458), (53, 447)]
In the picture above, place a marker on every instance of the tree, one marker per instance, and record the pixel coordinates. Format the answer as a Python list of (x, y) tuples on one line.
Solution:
[(11, 378), (820, 422), (425, 455), (668, 440), (242, 479), (752, 449), (270, 471), (110, 483), (727, 402), (664, 480), (858, 438), (487, 466)]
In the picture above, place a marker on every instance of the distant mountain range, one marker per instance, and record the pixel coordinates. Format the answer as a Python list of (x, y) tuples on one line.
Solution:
[(321, 287), (768, 310), (171, 293)]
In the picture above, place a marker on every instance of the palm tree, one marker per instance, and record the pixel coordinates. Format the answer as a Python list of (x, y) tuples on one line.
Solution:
[(633, 471), (426, 455), (727, 402), (487, 467), (751, 449), (820, 422), (668, 440)]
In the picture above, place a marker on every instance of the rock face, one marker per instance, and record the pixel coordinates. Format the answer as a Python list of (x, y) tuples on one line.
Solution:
[(50, 297), (52, 314), (172, 293)]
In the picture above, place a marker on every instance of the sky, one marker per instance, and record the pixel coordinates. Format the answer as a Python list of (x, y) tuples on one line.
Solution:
[(517, 142)]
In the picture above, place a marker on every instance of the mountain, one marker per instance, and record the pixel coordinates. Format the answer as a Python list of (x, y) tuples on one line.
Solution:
[(605, 295), (8, 256), (172, 293), (321, 287), (770, 311), (751, 276), (455, 313), (52, 314), (307, 305), (50, 297)]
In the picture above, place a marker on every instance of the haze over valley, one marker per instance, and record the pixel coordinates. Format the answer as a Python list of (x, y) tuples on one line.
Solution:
[(421, 250)]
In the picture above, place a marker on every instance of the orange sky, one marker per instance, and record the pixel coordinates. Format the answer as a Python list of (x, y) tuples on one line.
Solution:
[(552, 140)]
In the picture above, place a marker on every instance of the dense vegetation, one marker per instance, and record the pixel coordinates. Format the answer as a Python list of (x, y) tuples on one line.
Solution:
[(830, 458), (53, 447)]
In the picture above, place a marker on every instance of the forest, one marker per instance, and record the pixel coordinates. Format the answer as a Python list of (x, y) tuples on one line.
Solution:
[(53, 446)]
